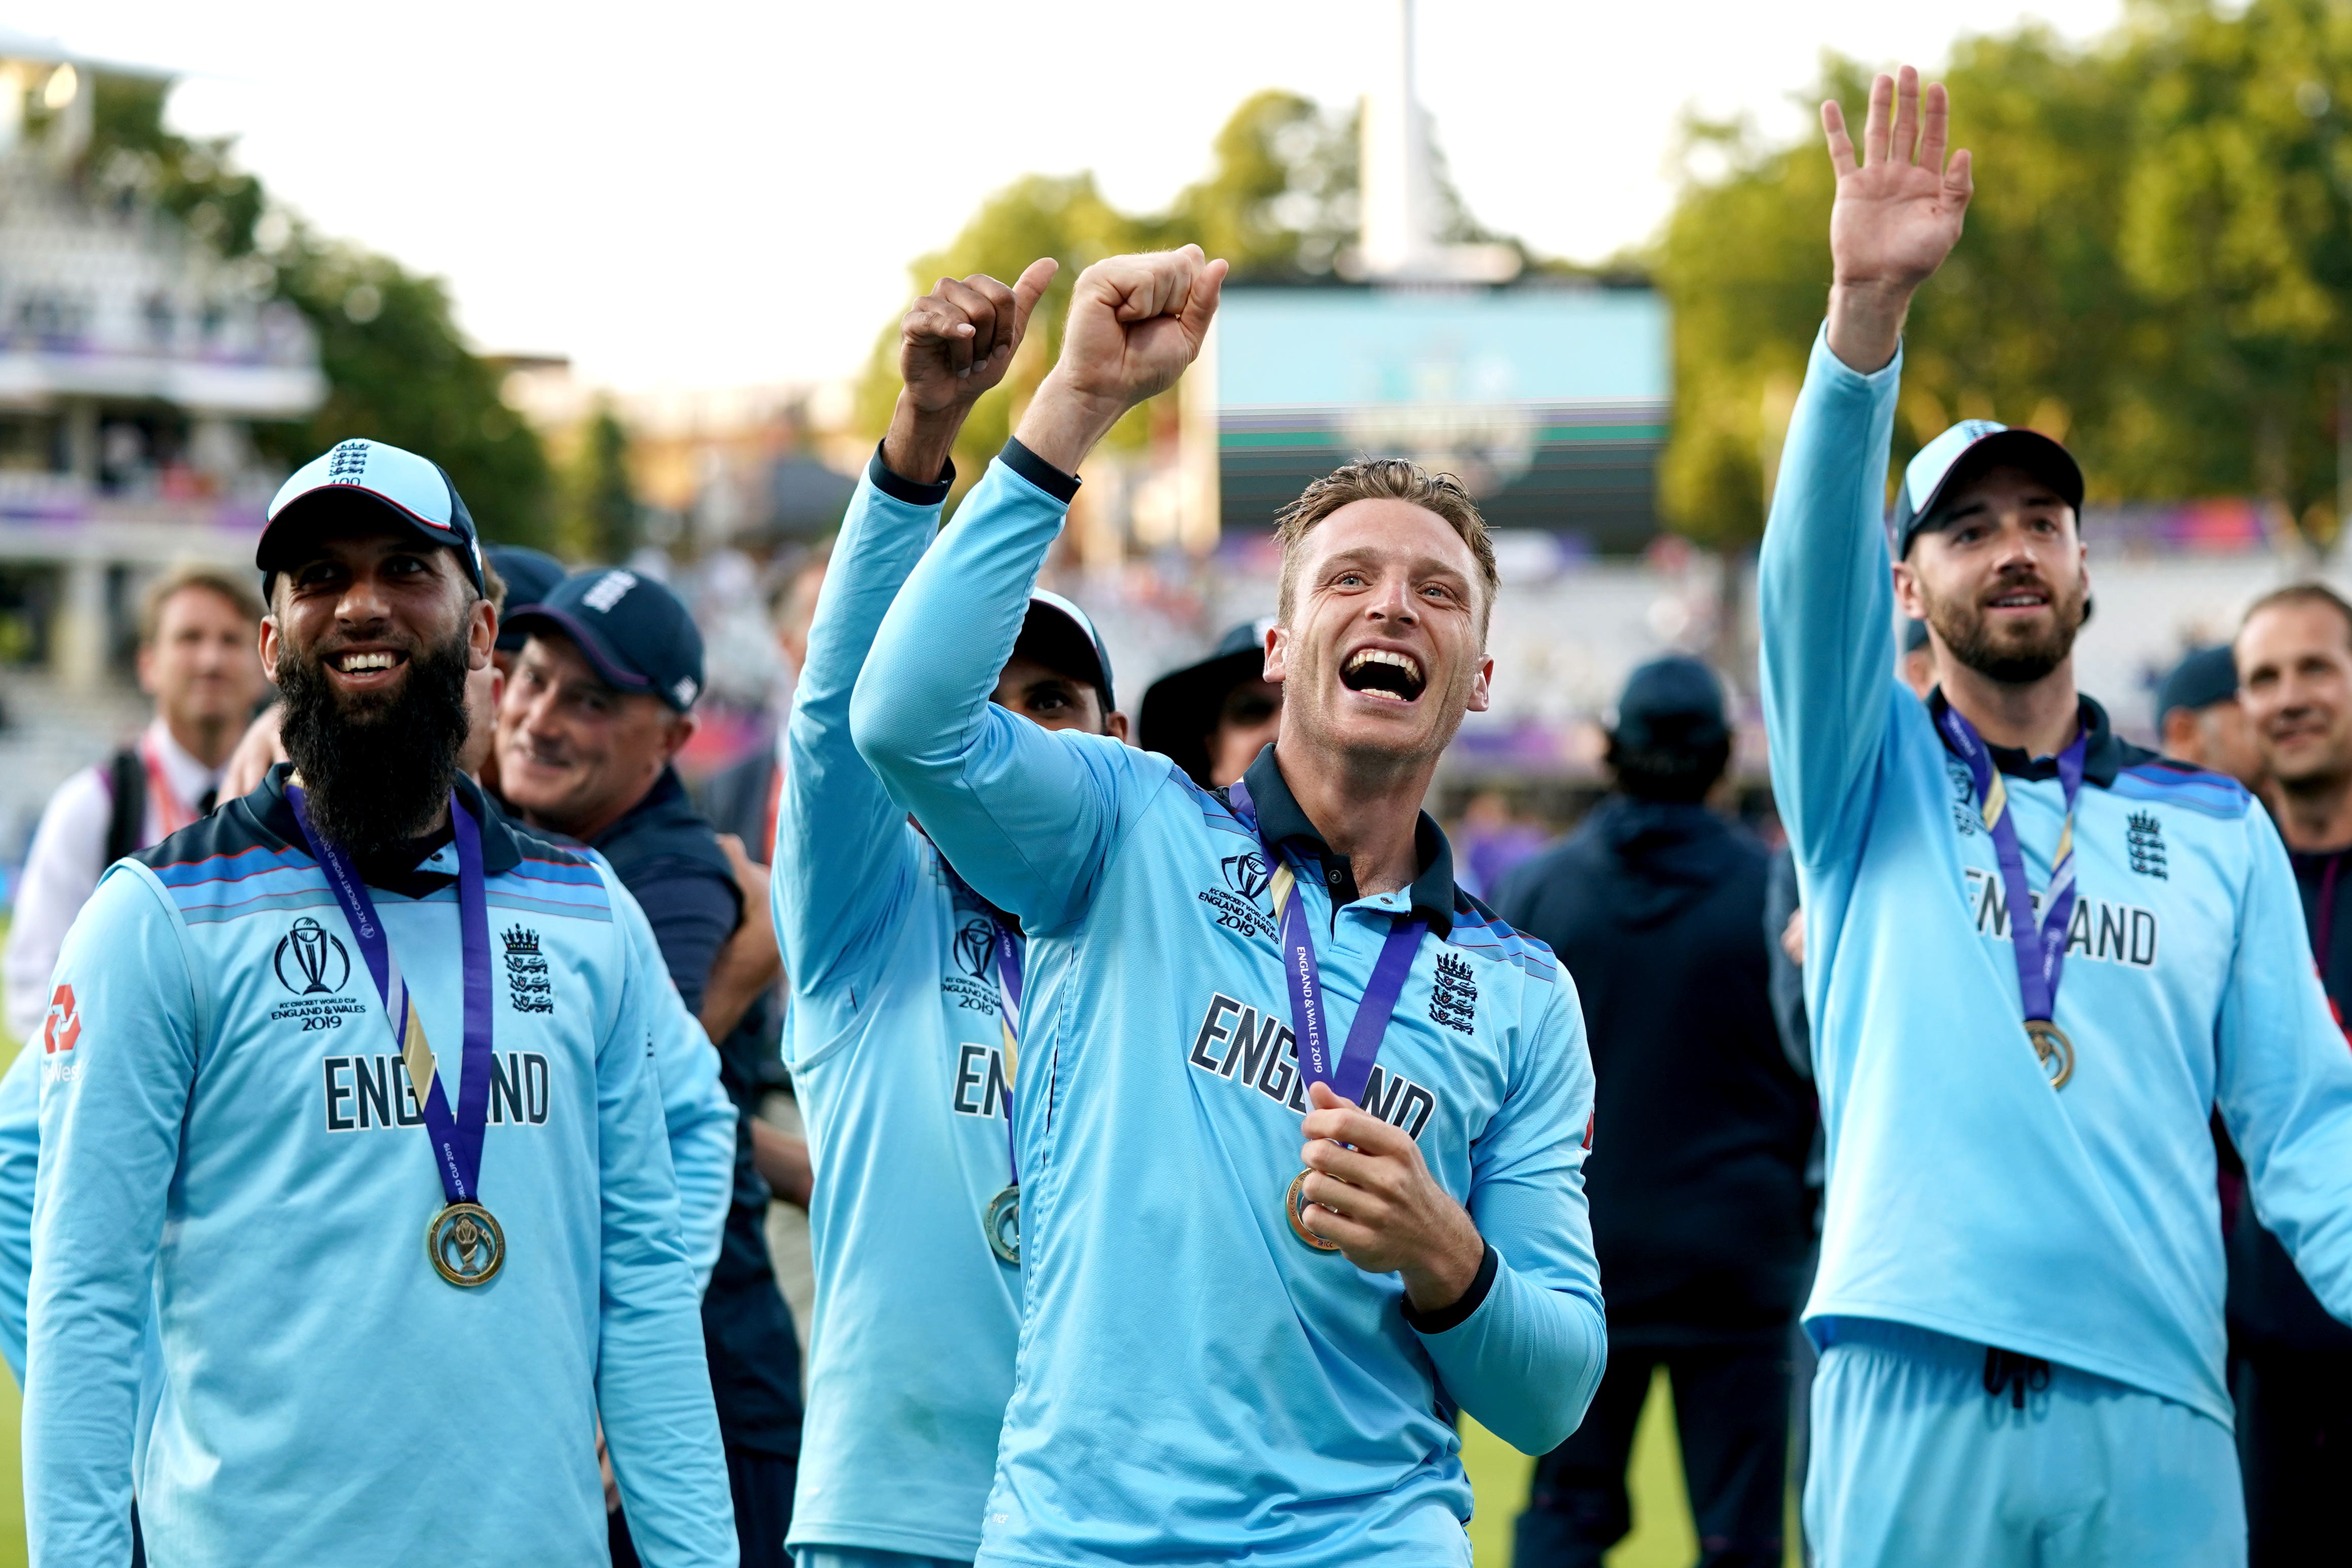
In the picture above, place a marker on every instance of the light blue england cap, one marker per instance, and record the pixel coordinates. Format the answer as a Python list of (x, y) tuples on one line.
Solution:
[(381, 479), (1972, 447)]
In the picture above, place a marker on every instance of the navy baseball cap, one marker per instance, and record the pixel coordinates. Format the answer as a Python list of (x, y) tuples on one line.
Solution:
[(384, 479), (1180, 710), (530, 577), (1671, 704), (1058, 634), (2208, 675), (1967, 449), (636, 632)]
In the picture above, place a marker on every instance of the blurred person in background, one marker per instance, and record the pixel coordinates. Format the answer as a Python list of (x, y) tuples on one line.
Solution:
[(2293, 1372), (1213, 717), (197, 634), (2199, 720), (1701, 1215), (741, 798), (525, 577), (599, 702), (904, 1033)]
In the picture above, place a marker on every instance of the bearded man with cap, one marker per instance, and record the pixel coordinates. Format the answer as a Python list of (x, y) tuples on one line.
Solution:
[(1213, 717), (904, 1031), (353, 1245), (599, 702), (2038, 958), (1702, 1220)]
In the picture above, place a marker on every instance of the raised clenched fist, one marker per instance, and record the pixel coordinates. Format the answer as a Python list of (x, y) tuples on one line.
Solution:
[(954, 343), (1136, 322)]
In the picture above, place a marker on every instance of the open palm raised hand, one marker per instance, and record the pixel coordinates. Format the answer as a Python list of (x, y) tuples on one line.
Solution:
[(1899, 207)]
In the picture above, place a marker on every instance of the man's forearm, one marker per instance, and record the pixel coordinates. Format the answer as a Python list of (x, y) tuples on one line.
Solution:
[(783, 1162), (1062, 424), (918, 443), (1865, 323)]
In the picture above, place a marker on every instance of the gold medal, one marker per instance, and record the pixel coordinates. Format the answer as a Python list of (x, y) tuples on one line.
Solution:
[(1002, 1223), (1294, 1208), (2056, 1051), (465, 1244)]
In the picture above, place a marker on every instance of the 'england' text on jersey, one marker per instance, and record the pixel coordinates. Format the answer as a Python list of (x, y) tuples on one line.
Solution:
[(367, 1093), (981, 1088), (1257, 1049), (2100, 931)]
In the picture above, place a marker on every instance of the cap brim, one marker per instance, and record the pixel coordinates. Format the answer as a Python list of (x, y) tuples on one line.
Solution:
[(313, 507), (537, 618), (1180, 708), (2015, 448)]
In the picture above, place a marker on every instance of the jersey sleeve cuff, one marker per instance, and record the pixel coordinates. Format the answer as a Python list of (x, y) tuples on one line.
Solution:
[(1062, 487), (1445, 1317), (898, 486)]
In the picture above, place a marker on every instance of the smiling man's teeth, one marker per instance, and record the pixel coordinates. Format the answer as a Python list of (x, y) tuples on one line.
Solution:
[(1383, 656), (353, 663)]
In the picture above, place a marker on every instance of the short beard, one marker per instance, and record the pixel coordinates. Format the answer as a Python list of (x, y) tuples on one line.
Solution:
[(375, 771), (1968, 637)]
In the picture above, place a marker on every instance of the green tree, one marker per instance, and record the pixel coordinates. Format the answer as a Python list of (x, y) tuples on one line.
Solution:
[(397, 368), (601, 519)]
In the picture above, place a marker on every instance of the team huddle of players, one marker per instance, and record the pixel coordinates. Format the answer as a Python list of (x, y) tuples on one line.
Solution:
[(1184, 1159)]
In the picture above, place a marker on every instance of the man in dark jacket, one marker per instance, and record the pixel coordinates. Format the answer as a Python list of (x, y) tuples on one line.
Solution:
[(1700, 1213), (599, 703)]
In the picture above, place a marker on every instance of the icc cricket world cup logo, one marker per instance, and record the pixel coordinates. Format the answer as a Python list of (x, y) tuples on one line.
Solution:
[(310, 960)]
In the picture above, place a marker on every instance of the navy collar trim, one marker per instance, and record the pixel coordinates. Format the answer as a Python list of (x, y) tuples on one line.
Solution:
[(501, 850), (1283, 822), (2103, 758)]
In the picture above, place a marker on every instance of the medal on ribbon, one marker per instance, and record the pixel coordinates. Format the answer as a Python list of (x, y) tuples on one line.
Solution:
[(1308, 1024), (2040, 946), (464, 1243)]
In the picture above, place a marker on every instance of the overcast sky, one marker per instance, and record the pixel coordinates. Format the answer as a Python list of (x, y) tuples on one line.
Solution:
[(703, 194)]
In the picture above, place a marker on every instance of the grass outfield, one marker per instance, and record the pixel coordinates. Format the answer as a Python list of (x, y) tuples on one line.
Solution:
[(1662, 1538)]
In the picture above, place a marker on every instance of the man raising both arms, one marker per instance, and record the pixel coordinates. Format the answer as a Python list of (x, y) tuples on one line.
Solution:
[(398, 1270), (2037, 958), (1223, 1355), (900, 1040)]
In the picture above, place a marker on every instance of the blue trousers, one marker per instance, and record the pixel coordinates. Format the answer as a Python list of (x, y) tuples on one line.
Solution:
[(1915, 1461)]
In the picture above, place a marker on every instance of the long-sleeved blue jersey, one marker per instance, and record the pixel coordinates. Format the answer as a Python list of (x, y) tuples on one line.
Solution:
[(228, 1141), (1194, 1382), (1966, 1195), (897, 1061)]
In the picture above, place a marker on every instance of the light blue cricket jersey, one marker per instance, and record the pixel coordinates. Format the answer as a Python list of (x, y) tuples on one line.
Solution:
[(1194, 1384), (226, 1130), (1966, 1195), (897, 1061)]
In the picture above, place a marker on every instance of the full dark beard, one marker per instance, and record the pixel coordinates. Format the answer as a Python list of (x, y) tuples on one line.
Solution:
[(2009, 660), (375, 772)]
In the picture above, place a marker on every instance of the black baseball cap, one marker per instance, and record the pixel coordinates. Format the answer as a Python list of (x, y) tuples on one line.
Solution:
[(1671, 704), (530, 577), (1972, 448), (1181, 709), (2208, 675), (381, 479), (636, 632), (1059, 636)]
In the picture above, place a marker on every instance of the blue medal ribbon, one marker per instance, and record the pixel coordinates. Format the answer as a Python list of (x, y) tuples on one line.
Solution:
[(456, 1140), (1353, 1069), (2040, 946)]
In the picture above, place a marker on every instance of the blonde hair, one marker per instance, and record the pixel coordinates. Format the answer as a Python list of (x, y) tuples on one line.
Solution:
[(1383, 478)]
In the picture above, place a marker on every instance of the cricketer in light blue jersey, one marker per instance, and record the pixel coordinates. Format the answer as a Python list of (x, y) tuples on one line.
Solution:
[(2014, 1220), (695, 1108), (1196, 1382), (898, 1051)]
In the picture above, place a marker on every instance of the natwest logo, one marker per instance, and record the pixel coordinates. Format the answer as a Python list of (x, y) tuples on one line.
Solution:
[(62, 1027)]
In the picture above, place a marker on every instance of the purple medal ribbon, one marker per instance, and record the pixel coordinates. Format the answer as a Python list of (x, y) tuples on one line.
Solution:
[(1008, 949), (1353, 1069), (456, 1140), (2041, 957)]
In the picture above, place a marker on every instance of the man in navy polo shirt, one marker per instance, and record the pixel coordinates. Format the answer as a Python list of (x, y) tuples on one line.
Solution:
[(598, 704)]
